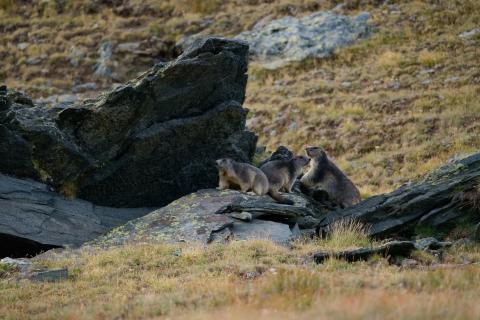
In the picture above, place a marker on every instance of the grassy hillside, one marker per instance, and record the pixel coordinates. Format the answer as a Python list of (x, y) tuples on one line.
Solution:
[(255, 279), (388, 109), (64, 36)]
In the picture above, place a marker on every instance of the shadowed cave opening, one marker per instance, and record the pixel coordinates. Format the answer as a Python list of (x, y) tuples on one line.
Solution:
[(17, 247)]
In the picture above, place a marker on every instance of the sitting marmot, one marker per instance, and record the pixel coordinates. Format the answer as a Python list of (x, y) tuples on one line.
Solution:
[(247, 177), (325, 175), (282, 174)]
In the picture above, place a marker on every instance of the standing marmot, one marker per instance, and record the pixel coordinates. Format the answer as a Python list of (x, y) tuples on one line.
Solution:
[(243, 175), (325, 175), (282, 174)]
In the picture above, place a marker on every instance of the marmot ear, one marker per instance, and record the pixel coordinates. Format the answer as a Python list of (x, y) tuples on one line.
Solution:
[(323, 153)]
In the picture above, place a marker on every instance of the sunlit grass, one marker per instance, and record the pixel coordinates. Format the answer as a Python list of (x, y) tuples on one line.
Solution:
[(388, 126), (347, 234), (239, 279), (390, 59), (430, 58)]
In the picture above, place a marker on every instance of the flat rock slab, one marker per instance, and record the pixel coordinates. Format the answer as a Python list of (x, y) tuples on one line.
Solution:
[(24, 268), (261, 229), (431, 243), (191, 218), (200, 217), (53, 275), (30, 212), (289, 39)]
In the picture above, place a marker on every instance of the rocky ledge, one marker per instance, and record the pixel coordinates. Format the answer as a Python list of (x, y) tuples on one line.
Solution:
[(35, 219), (444, 200), (212, 215)]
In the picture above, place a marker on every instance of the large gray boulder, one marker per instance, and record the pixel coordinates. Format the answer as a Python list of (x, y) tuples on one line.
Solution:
[(294, 39), (213, 215), (145, 143), (33, 218)]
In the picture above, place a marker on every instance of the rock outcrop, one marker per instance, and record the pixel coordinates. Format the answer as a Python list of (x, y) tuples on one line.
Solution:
[(212, 215), (446, 199), (289, 39), (145, 143), (390, 249), (34, 219)]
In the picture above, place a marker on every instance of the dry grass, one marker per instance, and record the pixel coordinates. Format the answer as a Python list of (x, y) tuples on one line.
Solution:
[(86, 24), (347, 234), (200, 6), (411, 103), (430, 59), (390, 59), (242, 279)]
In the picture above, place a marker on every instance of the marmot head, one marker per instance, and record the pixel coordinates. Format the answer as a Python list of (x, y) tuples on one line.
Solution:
[(300, 161), (224, 163), (315, 152)]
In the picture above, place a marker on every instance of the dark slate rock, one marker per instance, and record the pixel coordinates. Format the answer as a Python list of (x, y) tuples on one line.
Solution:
[(145, 143), (53, 275), (256, 229), (391, 249), (31, 212), (436, 203), (431, 243)]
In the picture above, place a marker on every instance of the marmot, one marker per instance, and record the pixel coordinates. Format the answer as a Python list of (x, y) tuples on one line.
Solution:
[(325, 175), (247, 177), (282, 174)]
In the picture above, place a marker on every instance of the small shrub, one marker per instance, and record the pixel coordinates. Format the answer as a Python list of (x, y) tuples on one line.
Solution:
[(353, 110), (346, 234), (430, 58), (6, 270), (200, 6), (390, 60)]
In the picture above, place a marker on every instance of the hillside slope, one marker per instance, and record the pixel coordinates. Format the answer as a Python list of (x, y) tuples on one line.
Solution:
[(388, 109)]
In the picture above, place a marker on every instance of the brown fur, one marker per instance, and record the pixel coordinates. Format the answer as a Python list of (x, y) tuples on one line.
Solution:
[(325, 175), (244, 175), (282, 174)]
